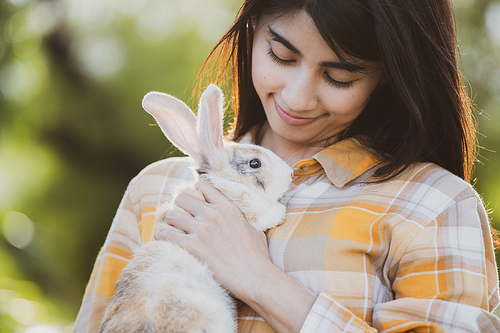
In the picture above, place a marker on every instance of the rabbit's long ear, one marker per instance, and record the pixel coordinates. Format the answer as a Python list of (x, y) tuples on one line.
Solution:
[(176, 120), (210, 114)]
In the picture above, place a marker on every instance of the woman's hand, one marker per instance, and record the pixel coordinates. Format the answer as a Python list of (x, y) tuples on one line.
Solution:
[(217, 233)]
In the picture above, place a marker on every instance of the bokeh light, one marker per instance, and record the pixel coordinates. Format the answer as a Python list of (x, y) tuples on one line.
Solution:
[(18, 229)]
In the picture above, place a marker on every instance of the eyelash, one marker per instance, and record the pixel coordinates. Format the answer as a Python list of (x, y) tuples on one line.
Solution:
[(328, 79)]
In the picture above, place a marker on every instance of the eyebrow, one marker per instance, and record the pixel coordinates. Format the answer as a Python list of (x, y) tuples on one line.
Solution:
[(344, 65)]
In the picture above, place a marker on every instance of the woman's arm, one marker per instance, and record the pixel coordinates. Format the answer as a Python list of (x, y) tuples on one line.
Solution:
[(218, 234), (132, 225), (114, 255)]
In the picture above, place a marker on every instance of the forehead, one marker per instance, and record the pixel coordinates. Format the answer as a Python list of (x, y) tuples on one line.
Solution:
[(296, 25), (299, 31)]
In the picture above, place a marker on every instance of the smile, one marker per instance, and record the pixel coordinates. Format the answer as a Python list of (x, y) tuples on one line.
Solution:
[(294, 121)]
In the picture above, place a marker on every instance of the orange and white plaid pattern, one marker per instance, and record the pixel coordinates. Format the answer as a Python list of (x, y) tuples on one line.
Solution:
[(413, 254)]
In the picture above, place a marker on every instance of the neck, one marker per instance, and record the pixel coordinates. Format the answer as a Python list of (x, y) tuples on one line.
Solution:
[(288, 151)]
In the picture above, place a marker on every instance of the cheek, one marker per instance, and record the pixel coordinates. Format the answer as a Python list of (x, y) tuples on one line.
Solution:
[(265, 74), (260, 75), (349, 103)]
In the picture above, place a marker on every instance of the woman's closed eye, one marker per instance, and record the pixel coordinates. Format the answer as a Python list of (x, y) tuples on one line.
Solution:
[(335, 83), (327, 77), (279, 60)]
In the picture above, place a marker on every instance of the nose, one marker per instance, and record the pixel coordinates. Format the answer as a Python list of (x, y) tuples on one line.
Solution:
[(299, 92)]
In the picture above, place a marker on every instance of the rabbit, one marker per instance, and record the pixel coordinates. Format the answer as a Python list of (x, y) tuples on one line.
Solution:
[(164, 288)]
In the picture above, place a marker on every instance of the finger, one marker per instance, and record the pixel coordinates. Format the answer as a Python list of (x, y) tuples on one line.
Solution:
[(172, 236), (211, 194), (179, 219), (164, 234), (175, 222), (189, 204)]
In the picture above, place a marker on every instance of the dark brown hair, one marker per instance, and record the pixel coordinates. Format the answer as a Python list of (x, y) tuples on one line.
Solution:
[(420, 114)]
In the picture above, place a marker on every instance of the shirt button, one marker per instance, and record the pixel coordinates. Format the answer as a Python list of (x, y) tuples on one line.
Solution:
[(304, 168)]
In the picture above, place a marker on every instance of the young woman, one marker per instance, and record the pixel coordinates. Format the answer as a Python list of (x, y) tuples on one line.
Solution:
[(383, 232)]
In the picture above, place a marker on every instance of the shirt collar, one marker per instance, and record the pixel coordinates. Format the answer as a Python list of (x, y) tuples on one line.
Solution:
[(342, 162), (346, 160)]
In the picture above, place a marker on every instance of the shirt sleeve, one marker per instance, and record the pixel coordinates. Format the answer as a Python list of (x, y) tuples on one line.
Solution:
[(445, 280), (133, 225), (122, 239)]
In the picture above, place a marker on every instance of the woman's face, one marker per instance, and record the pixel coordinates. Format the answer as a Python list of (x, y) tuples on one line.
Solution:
[(308, 95)]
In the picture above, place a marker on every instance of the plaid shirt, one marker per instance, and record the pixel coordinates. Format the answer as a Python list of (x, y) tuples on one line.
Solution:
[(410, 254)]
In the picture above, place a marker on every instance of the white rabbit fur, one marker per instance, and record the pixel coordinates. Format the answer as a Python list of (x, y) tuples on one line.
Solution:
[(164, 288)]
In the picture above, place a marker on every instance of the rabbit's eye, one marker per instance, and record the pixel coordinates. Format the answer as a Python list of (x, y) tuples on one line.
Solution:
[(255, 163)]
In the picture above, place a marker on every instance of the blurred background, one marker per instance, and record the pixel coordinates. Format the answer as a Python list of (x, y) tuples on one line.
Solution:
[(73, 133)]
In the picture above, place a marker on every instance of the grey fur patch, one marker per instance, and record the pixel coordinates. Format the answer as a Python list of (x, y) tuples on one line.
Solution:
[(260, 182), (239, 164)]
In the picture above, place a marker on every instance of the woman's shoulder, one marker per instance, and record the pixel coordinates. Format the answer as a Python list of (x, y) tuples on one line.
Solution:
[(429, 187), (433, 176)]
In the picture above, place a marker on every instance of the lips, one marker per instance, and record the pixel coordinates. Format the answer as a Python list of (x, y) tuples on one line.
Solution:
[(294, 121)]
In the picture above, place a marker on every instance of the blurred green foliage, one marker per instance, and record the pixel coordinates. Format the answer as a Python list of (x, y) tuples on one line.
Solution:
[(73, 133)]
